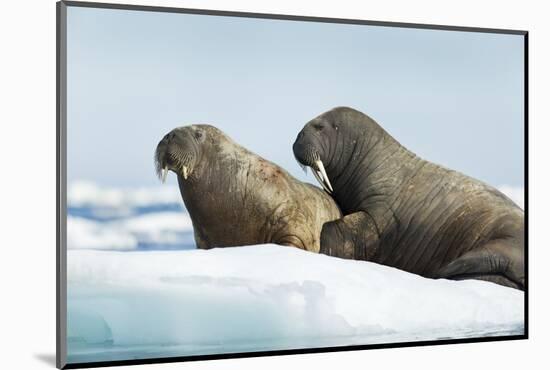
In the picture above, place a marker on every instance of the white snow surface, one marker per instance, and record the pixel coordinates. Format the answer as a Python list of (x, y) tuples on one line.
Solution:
[(271, 297)]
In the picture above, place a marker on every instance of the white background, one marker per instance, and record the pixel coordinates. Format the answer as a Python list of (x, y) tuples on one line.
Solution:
[(27, 193)]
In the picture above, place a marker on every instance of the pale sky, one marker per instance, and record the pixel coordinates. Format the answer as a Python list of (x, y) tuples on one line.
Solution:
[(454, 98)]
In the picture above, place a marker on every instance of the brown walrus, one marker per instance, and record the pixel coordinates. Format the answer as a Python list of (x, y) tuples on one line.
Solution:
[(235, 197)]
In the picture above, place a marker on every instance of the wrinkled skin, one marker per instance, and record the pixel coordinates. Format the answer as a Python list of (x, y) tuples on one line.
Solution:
[(402, 211), (235, 197)]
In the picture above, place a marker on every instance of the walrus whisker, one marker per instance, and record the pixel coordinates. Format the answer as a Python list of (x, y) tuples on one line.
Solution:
[(324, 176), (303, 166)]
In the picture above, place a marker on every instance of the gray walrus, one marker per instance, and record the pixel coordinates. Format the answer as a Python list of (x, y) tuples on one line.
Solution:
[(235, 197), (405, 212)]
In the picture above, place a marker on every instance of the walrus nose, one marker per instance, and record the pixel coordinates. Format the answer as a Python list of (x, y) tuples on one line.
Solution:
[(298, 150), (302, 150), (164, 161)]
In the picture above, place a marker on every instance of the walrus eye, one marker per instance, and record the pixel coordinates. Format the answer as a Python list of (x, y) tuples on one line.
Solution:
[(198, 135), (318, 127)]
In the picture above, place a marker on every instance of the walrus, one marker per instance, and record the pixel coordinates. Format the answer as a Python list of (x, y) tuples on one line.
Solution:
[(405, 212), (235, 197)]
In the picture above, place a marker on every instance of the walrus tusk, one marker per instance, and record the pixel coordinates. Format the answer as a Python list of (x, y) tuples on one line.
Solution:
[(184, 170), (318, 175), (324, 176), (164, 172)]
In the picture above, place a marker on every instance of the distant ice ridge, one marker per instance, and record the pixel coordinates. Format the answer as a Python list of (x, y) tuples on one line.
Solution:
[(126, 219), (87, 234), (516, 193), (270, 297), (152, 229), (86, 193)]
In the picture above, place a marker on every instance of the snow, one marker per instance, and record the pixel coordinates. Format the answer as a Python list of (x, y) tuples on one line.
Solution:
[(267, 297), (159, 228), (86, 234), (159, 221), (85, 193)]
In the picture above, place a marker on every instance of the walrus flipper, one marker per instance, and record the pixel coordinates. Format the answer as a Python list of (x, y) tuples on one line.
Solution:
[(486, 263), (497, 279), (354, 236)]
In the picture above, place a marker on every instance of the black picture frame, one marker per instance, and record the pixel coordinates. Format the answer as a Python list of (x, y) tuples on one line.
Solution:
[(61, 189)]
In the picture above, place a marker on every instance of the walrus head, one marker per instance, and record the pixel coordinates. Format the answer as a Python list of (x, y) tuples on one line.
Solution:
[(180, 151), (312, 147), (332, 142)]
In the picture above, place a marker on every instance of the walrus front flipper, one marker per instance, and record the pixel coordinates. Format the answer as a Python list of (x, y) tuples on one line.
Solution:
[(497, 279), (354, 236), (497, 261)]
